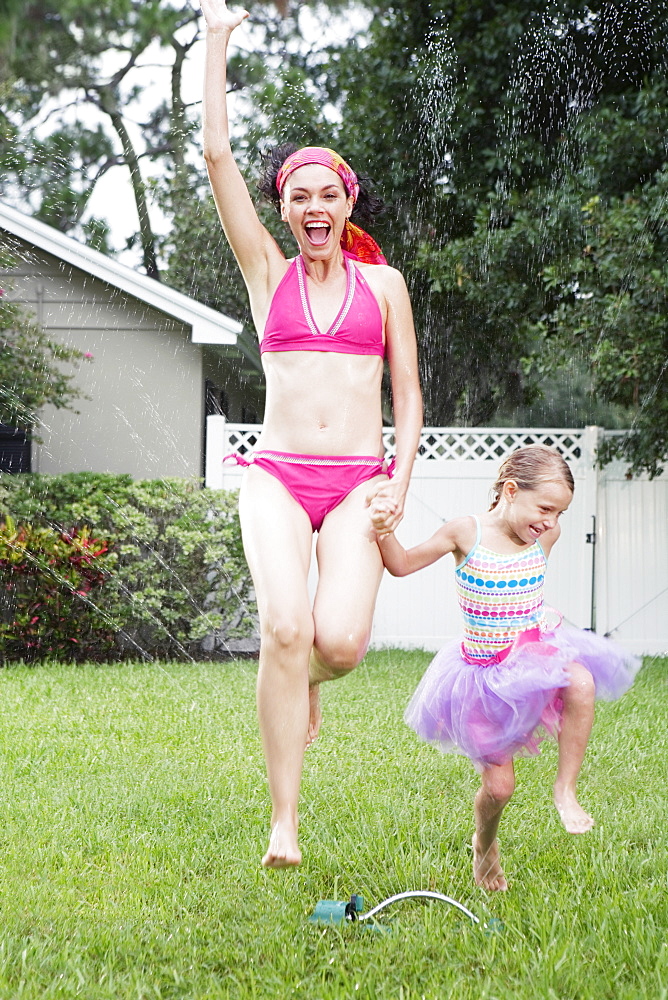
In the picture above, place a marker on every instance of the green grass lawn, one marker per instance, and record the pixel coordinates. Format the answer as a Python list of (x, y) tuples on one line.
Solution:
[(135, 812)]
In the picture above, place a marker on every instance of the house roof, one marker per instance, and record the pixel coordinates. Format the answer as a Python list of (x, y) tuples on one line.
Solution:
[(208, 326)]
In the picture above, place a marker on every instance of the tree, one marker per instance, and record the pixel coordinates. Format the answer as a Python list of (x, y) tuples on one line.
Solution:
[(612, 304), (75, 84), (579, 272), (31, 374), (80, 61)]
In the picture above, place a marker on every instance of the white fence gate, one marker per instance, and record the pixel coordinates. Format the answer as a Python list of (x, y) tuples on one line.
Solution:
[(609, 570)]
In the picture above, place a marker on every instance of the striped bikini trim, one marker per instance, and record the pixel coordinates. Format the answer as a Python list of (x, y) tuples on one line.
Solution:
[(277, 456), (301, 278)]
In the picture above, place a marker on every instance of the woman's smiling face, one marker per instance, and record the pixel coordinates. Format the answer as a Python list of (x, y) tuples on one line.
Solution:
[(315, 205)]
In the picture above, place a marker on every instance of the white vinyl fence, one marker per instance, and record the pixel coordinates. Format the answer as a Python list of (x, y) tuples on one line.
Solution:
[(609, 570)]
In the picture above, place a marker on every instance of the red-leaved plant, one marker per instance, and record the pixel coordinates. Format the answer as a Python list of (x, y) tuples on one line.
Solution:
[(50, 584)]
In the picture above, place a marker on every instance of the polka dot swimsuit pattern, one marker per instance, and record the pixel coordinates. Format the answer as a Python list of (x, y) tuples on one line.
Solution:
[(499, 597)]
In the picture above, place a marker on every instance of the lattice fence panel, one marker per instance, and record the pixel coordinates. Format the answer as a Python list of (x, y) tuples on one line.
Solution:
[(486, 444), (458, 444), (242, 437)]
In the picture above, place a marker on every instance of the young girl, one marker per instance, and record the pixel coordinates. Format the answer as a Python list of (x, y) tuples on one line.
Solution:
[(519, 669)]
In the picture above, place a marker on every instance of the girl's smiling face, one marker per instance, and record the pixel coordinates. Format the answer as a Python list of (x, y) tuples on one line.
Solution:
[(528, 514), (315, 205)]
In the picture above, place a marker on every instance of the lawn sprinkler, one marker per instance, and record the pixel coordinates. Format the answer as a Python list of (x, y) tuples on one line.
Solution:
[(334, 911)]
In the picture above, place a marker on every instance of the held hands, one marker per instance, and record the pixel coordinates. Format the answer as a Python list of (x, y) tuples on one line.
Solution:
[(219, 18), (386, 506), (380, 513)]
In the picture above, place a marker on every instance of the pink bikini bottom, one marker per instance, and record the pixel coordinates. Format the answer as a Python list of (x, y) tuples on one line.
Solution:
[(317, 482)]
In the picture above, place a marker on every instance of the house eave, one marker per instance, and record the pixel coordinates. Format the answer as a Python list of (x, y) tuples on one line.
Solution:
[(208, 326)]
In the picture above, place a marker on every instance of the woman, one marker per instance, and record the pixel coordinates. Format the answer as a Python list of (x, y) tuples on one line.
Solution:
[(321, 458)]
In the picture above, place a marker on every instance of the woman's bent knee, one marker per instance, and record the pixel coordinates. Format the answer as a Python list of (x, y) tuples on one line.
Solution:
[(342, 653)]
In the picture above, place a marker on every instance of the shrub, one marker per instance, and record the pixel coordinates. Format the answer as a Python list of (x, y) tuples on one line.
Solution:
[(47, 607), (178, 573)]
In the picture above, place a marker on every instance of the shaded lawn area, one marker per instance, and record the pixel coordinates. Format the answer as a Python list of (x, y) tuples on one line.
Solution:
[(135, 813)]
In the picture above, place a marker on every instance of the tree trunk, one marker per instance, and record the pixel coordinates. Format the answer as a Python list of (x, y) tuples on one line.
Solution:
[(109, 105)]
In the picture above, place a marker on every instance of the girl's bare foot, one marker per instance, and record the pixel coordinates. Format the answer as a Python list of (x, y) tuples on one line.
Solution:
[(487, 870), (283, 850), (315, 714), (571, 813)]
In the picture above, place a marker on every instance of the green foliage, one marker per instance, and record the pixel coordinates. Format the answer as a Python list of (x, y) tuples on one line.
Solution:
[(30, 367), (487, 126), (561, 110), (595, 298), (50, 584), (178, 573), (199, 260), (612, 302)]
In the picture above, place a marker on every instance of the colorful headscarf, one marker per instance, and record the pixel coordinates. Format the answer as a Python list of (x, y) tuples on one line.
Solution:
[(355, 242)]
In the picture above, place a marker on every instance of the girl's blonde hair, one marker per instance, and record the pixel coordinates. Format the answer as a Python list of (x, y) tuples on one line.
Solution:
[(531, 466)]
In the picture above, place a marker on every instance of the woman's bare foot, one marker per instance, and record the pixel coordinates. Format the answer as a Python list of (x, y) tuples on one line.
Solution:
[(571, 813), (487, 870), (315, 714), (283, 850)]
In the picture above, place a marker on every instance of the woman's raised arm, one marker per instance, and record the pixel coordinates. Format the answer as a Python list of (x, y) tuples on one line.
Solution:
[(253, 246)]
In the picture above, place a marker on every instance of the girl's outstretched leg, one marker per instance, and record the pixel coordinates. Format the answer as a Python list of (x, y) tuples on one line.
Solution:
[(576, 723), (498, 785)]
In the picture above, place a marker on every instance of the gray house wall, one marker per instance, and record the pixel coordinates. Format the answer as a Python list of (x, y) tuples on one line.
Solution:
[(145, 380)]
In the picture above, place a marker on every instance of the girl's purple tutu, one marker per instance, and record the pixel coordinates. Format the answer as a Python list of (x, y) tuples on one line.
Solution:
[(489, 713)]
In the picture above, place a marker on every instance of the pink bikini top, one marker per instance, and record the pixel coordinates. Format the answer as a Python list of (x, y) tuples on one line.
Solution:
[(358, 328)]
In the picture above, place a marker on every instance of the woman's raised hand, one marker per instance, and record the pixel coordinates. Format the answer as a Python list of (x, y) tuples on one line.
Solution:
[(220, 18)]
